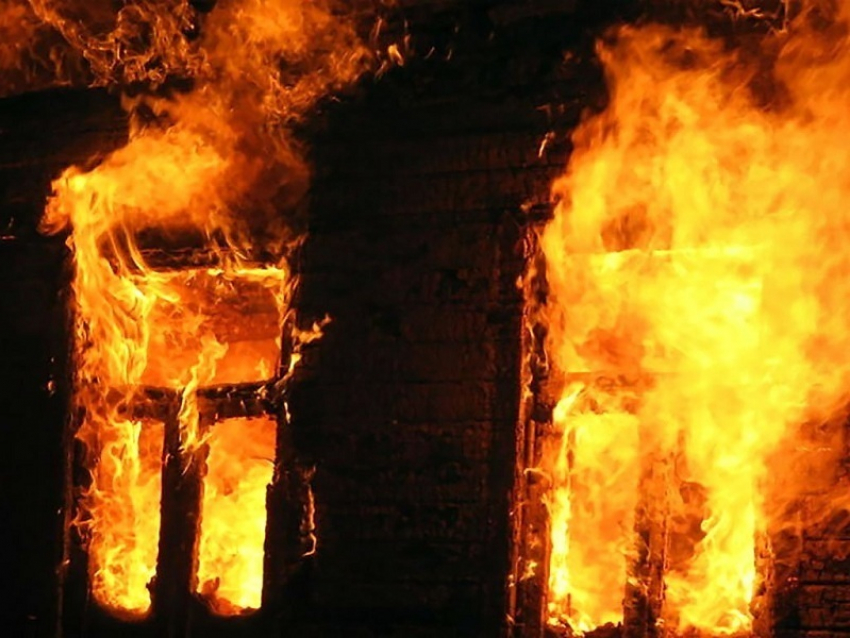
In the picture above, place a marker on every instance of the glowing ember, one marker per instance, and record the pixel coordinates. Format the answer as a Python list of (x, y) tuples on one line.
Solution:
[(233, 515), (697, 312), (195, 164)]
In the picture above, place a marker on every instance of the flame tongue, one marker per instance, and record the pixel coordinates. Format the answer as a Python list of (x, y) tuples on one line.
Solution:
[(193, 162), (696, 251), (126, 488)]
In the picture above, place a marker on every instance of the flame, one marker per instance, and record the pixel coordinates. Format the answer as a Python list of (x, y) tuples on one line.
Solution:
[(196, 162), (595, 453), (128, 488), (62, 42), (18, 25), (25, 50), (233, 514), (697, 310)]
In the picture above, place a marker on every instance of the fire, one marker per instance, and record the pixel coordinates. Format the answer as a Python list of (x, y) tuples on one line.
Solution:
[(697, 312), (242, 307), (205, 172), (240, 464), (62, 42), (141, 327), (595, 453), (128, 488)]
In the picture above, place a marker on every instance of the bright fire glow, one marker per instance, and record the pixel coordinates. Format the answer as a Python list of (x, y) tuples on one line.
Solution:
[(140, 327), (697, 311), (240, 307), (208, 171), (127, 487), (233, 514)]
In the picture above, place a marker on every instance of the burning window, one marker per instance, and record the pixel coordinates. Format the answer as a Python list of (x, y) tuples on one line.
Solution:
[(694, 308), (198, 354), (184, 337)]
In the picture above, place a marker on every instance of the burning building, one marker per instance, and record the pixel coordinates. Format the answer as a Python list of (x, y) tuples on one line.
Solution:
[(433, 318)]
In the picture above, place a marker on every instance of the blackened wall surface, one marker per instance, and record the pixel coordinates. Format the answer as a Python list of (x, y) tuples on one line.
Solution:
[(424, 187), (409, 402)]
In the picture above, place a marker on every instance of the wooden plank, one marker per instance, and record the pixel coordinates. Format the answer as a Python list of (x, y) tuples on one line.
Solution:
[(182, 485)]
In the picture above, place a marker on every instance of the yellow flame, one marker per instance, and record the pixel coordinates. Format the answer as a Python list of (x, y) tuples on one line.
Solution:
[(697, 310), (233, 514), (210, 170), (127, 487)]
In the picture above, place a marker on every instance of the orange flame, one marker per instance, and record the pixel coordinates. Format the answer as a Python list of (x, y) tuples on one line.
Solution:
[(194, 164), (240, 465), (697, 311), (60, 42), (126, 487)]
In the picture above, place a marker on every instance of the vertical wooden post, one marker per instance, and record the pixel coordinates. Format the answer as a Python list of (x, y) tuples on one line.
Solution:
[(290, 534), (173, 601)]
